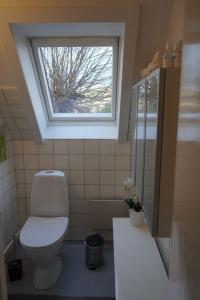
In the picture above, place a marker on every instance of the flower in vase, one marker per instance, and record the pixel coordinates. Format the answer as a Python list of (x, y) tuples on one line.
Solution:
[(132, 201)]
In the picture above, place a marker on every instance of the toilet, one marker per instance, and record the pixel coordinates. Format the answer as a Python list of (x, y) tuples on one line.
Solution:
[(43, 233)]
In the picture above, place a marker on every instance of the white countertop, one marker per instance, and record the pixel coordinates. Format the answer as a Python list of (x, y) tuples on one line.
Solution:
[(139, 271)]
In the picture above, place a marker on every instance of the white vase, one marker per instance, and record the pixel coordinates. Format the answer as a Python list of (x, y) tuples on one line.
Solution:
[(136, 218)]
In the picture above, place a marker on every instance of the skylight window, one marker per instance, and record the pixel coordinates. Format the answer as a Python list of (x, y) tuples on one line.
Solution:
[(77, 76)]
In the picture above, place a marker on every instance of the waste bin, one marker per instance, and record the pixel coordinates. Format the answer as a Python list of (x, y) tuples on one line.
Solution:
[(94, 251)]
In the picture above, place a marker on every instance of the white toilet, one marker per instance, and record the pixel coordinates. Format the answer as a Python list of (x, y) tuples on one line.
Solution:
[(43, 233)]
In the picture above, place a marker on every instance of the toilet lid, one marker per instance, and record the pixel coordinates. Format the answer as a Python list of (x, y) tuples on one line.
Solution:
[(42, 232)]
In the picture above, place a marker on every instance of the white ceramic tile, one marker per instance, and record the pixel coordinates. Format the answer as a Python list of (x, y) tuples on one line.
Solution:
[(91, 177), (29, 147), (91, 162), (107, 192), (22, 218), (21, 204), (2, 200), (92, 147), (4, 227), (11, 163), (4, 108), (60, 147), (76, 192), (107, 147), (12, 95), (28, 191), (123, 149), (107, 177), (120, 192), (120, 176), (90, 231), (19, 164), (31, 162), (122, 163), (77, 233), (10, 149), (91, 192), (77, 219), (107, 235), (20, 176), (18, 110), (60, 162), (46, 148), (107, 162), (20, 190), (28, 198), (15, 134), (22, 123), (76, 147), (76, 177), (11, 124), (5, 184), (66, 172), (17, 145), (26, 134), (45, 162), (29, 175), (4, 168), (2, 98), (76, 162), (67, 235), (77, 206)]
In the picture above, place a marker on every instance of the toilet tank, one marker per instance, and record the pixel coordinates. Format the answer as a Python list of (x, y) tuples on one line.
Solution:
[(49, 194)]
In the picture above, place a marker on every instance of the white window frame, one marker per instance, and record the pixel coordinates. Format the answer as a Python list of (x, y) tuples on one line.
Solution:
[(35, 43)]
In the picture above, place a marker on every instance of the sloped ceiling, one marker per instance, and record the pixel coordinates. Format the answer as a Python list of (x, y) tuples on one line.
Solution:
[(13, 109), (13, 113)]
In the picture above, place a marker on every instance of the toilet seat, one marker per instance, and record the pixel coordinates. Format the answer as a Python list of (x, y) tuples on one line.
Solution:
[(39, 232)]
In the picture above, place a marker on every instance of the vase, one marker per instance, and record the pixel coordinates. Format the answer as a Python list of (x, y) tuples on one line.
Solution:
[(136, 218)]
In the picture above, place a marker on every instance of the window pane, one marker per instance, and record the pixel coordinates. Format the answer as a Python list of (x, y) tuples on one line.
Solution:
[(79, 78)]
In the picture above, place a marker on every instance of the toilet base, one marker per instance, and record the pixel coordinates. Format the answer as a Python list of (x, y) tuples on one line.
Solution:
[(44, 279)]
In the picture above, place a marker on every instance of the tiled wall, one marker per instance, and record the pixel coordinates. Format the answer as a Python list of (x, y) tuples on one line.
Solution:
[(13, 112), (8, 203), (95, 169)]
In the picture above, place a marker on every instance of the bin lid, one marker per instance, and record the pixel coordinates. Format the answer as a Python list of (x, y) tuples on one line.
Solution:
[(95, 240)]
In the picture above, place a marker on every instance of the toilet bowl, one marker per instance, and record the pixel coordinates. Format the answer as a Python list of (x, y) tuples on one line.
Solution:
[(43, 232)]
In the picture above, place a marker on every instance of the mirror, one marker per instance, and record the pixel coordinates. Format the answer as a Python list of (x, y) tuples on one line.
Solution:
[(150, 152), (140, 137)]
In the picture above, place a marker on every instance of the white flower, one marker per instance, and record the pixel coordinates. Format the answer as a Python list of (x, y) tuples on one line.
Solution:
[(128, 181), (129, 187)]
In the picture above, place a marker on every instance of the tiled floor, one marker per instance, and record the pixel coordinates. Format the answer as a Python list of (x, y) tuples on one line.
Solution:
[(75, 282)]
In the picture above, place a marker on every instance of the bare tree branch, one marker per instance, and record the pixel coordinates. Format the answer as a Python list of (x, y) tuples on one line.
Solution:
[(79, 78)]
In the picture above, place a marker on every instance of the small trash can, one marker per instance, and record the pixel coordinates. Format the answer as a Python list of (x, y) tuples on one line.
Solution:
[(94, 251)]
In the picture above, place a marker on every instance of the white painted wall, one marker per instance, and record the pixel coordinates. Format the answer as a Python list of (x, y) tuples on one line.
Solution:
[(116, 13), (151, 37)]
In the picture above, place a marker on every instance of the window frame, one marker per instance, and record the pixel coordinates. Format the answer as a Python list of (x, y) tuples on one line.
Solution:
[(75, 41)]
